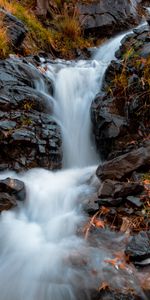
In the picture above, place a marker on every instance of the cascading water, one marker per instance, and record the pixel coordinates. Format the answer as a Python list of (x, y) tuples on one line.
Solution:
[(41, 255)]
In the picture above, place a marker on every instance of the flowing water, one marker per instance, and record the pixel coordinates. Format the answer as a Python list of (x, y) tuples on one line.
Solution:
[(42, 256)]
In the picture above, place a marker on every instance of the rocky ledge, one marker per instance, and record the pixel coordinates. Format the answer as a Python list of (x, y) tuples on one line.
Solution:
[(105, 18), (28, 135), (120, 113)]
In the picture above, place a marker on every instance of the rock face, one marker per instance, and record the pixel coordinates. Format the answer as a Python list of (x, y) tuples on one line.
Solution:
[(123, 165), (105, 17), (28, 135), (11, 191), (120, 114), (15, 28), (139, 247), (113, 193)]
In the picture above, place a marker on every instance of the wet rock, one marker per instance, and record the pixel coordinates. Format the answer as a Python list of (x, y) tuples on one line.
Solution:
[(119, 121), (117, 189), (28, 135), (104, 18), (13, 187), (110, 201), (7, 201), (11, 191), (139, 247), (135, 201), (90, 205), (106, 294), (15, 28), (123, 165)]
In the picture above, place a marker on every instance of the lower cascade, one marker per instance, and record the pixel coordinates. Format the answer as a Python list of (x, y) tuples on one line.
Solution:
[(43, 254)]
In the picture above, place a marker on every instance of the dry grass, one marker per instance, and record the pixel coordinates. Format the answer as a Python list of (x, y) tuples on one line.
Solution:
[(4, 41), (38, 37), (63, 33)]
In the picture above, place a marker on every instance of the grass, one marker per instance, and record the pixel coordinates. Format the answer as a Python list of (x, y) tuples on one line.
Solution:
[(38, 37), (4, 41), (63, 33)]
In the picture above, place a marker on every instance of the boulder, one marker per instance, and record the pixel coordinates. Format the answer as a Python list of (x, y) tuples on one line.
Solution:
[(106, 17), (28, 135), (15, 28), (123, 165), (11, 191), (90, 204), (138, 248), (116, 189)]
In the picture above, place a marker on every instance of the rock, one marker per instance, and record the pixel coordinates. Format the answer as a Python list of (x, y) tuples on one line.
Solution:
[(15, 28), (13, 187), (109, 201), (135, 201), (7, 201), (106, 17), (139, 247), (119, 121), (116, 190), (114, 295), (90, 205), (11, 191), (123, 165), (28, 135)]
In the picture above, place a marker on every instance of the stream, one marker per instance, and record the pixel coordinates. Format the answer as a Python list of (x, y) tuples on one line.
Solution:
[(43, 255)]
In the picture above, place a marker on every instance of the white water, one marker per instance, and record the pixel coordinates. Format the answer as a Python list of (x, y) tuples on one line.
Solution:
[(41, 255)]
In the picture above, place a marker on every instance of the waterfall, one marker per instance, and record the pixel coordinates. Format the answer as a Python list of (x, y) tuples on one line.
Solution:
[(41, 255)]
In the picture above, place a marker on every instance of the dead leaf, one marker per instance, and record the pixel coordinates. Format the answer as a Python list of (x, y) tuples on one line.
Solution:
[(125, 224), (103, 286), (99, 223), (105, 210)]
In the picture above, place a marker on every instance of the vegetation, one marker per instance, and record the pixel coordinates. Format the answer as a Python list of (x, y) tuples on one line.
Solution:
[(61, 31), (4, 41)]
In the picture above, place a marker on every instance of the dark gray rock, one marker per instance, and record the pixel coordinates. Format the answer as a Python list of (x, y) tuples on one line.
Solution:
[(90, 205), (139, 247), (115, 189), (123, 165), (15, 28), (106, 17), (120, 113), (28, 135), (135, 201), (110, 201)]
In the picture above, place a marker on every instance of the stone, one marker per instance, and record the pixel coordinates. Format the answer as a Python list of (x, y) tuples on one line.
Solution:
[(109, 201), (123, 165), (13, 187), (106, 17), (11, 191), (7, 201), (90, 205), (119, 121), (29, 137), (138, 248), (135, 201), (116, 189), (145, 51), (15, 28)]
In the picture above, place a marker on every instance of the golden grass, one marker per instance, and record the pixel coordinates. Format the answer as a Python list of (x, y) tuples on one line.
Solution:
[(63, 33), (38, 36), (4, 41)]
